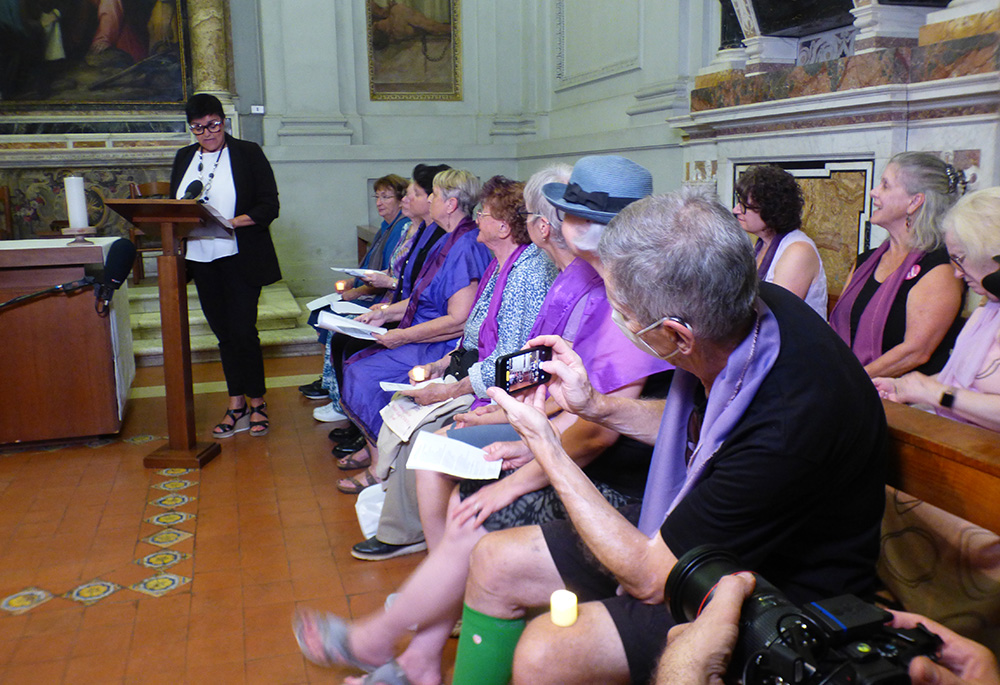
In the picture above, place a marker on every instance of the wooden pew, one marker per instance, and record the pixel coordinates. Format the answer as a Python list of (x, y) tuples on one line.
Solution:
[(952, 465)]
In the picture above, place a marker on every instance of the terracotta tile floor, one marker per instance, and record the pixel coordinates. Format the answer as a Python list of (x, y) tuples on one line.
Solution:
[(261, 530)]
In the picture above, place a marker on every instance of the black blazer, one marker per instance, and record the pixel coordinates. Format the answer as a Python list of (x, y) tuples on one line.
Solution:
[(256, 196)]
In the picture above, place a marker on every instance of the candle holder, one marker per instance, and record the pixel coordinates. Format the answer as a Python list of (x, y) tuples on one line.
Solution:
[(79, 234)]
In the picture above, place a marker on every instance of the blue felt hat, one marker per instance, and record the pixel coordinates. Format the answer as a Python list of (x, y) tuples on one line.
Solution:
[(600, 187)]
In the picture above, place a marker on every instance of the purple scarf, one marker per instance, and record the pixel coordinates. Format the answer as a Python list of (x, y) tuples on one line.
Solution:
[(772, 250), (489, 332), (734, 388), (867, 343), (969, 354), (429, 271)]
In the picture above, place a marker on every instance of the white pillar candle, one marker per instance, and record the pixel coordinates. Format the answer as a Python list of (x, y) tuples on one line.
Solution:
[(563, 608), (76, 202), (418, 374)]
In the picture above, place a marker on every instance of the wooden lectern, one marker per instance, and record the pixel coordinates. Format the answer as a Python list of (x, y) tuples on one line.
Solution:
[(175, 219)]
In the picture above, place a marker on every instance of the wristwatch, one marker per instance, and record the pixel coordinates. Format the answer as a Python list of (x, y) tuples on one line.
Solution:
[(947, 398)]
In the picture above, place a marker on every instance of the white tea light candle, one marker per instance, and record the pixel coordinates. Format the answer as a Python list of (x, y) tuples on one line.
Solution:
[(418, 374), (563, 608)]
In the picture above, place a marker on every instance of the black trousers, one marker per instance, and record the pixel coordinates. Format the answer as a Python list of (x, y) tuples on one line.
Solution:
[(230, 305)]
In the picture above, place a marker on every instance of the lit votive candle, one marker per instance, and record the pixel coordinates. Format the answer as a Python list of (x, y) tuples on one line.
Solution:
[(341, 286), (563, 609), (418, 374)]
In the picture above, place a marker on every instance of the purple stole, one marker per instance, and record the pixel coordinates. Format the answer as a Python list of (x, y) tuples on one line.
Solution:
[(670, 480), (489, 332), (867, 343), (772, 250), (574, 282), (429, 271)]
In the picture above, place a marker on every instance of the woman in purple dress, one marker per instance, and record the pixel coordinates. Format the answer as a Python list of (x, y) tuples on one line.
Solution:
[(432, 316)]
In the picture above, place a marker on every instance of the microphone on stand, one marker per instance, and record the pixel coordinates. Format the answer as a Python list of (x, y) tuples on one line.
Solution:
[(121, 256), (193, 190)]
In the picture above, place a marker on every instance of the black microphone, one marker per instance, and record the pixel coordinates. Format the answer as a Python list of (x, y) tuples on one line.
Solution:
[(193, 190), (121, 256)]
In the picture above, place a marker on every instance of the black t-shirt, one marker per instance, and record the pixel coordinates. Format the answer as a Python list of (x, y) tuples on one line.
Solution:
[(797, 489), (895, 323)]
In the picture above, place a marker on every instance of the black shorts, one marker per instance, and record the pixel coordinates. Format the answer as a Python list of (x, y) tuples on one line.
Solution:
[(641, 627)]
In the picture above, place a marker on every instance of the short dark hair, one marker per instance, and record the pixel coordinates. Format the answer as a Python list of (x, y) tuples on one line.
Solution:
[(423, 175), (393, 182), (202, 105), (774, 194), (506, 200)]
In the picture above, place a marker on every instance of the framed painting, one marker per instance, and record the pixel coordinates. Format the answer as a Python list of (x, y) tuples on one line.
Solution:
[(414, 50), (108, 53)]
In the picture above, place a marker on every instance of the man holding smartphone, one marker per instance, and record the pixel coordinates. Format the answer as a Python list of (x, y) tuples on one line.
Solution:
[(771, 444)]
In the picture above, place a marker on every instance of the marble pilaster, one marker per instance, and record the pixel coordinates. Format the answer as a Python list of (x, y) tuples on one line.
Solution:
[(885, 26), (210, 48)]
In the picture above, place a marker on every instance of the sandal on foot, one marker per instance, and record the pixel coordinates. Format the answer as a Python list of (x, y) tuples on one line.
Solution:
[(355, 484), (262, 426), (389, 673), (350, 462), (334, 648), (241, 422)]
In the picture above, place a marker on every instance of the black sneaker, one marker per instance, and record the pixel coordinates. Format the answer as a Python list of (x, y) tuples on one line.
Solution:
[(314, 390), (374, 549), (350, 432)]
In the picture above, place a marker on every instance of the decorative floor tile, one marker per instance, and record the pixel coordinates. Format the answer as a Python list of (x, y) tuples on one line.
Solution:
[(170, 518), (160, 584), (175, 472), (172, 501), (161, 560), (25, 600), (167, 537), (174, 485), (92, 592), (143, 439)]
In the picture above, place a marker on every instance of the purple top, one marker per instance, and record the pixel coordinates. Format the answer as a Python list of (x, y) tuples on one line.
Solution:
[(407, 278)]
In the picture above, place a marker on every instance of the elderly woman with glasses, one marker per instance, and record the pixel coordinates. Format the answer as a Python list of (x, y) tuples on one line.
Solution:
[(769, 208), (229, 272), (968, 387)]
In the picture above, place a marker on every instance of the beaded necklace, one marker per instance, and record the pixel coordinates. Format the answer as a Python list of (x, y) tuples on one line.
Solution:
[(211, 175)]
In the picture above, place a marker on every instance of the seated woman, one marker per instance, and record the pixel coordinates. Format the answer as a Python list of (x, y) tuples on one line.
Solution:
[(770, 208), (968, 387), (423, 238), (367, 290), (901, 305), (431, 597), (432, 316), (509, 296)]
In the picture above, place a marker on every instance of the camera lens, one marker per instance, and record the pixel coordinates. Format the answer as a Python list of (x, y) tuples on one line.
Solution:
[(693, 578)]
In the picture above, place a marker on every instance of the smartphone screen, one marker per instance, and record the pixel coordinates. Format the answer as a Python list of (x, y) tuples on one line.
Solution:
[(521, 370)]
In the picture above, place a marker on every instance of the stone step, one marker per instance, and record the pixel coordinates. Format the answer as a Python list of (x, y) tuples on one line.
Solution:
[(281, 320)]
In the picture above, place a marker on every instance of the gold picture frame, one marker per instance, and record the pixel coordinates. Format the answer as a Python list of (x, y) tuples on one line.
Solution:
[(412, 53)]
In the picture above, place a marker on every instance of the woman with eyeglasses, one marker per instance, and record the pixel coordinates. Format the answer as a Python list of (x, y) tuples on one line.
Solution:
[(237, 180), (769, 207), (900, 309), (968, 387)]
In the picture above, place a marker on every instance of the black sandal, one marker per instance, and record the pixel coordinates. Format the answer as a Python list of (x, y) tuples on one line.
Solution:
[(264, 425), (228, 430)]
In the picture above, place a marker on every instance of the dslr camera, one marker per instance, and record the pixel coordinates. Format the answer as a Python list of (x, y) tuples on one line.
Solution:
[(839, 641)]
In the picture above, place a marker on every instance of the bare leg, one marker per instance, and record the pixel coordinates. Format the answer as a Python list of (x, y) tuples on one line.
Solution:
[(519, 553), (589, 651), (433, 493)]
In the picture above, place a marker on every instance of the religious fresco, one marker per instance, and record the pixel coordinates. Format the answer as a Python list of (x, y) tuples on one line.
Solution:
[(57, 53), (414, 50)]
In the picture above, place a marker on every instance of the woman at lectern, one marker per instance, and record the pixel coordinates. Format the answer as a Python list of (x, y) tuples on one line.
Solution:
[(235, 179)]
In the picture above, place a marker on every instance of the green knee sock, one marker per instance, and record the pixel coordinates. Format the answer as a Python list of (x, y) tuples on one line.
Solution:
[(486, 648)]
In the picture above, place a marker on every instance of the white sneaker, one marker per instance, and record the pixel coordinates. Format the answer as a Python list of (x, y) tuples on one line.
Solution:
[(328, 414)]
